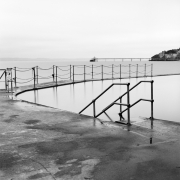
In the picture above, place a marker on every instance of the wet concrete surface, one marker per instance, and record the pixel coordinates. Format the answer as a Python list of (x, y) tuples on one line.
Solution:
[(38, 142)]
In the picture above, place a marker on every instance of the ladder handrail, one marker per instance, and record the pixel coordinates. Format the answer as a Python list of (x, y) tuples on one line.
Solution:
[(110, 105), (102, 94), (2, 73), (133, 88), (136, 103)]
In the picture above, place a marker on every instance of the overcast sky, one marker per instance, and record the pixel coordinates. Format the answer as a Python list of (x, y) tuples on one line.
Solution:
[(88, 28)]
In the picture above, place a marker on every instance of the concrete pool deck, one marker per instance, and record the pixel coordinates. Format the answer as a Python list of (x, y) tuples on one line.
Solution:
[(39, 142)]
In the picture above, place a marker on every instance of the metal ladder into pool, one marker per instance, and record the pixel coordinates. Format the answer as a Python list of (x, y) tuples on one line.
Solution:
[(128, 105)]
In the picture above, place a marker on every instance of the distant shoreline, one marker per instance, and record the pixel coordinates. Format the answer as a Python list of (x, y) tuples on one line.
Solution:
[(44, 59)]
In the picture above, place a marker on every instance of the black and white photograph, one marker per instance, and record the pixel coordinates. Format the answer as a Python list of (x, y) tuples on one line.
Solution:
[(89, 90)]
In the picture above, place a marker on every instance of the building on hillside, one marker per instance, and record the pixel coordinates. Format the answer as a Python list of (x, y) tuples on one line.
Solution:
[(161, 55), (170, 55)]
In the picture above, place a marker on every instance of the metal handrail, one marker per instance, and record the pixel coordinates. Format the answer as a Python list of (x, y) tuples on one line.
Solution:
[(102, 94), (135, 104), (2, 73), (110, 105)]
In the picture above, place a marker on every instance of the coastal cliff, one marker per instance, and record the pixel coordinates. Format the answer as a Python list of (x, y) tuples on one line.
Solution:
[(170, 55)]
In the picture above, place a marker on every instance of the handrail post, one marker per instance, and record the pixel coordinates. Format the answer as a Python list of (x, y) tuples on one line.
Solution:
[(53, 73), (15, 76), (137, 71), (84, 72), (37, 74), (5, 79), (34, 77), (120, 108), (128, 102), (120, 71), (56, 75), (151, 69), (129, 71), (94, 109), (73, 73), (145, 70), (8, 85), (112, 71), (92, 71), (11, 81), (70, 72), (152, 103), (102, 71)]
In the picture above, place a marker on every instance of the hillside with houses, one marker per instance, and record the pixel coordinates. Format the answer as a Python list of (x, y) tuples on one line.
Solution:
[(170, 55)]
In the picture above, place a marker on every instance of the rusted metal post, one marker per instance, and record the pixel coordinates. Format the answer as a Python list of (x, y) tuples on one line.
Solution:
[(120, 109), (92, 71), (94, 109), (152, 101), (102, 71), (8, 85), (53, 73), (112, 71), (128, 102), (5, 79), (11, 81), (84, 72), (56, 75), (15, 76), (37, 74), (34, 77)]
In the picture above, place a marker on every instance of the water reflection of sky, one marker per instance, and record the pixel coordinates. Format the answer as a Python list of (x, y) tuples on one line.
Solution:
[(76, 97)]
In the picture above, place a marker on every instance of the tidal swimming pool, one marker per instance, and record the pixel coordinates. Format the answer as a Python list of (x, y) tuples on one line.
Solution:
[(75, 97)]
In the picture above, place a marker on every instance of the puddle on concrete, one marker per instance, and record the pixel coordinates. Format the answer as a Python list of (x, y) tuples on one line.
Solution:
[(8, 160), (13, 116), (9, 120), (38, 176), (32, 121), (50, 147)]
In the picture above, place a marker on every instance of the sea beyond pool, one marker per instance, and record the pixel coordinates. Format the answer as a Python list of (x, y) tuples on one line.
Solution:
[(168, 88)]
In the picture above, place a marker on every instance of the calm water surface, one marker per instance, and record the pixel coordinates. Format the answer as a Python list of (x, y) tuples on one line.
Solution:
[(76, 97)]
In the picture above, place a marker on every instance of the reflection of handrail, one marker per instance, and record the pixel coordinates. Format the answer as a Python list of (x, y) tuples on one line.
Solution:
[(102, 94)]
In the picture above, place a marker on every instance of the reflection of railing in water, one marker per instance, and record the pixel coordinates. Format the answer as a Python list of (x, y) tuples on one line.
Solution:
[(128, 105), (74, 73)]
